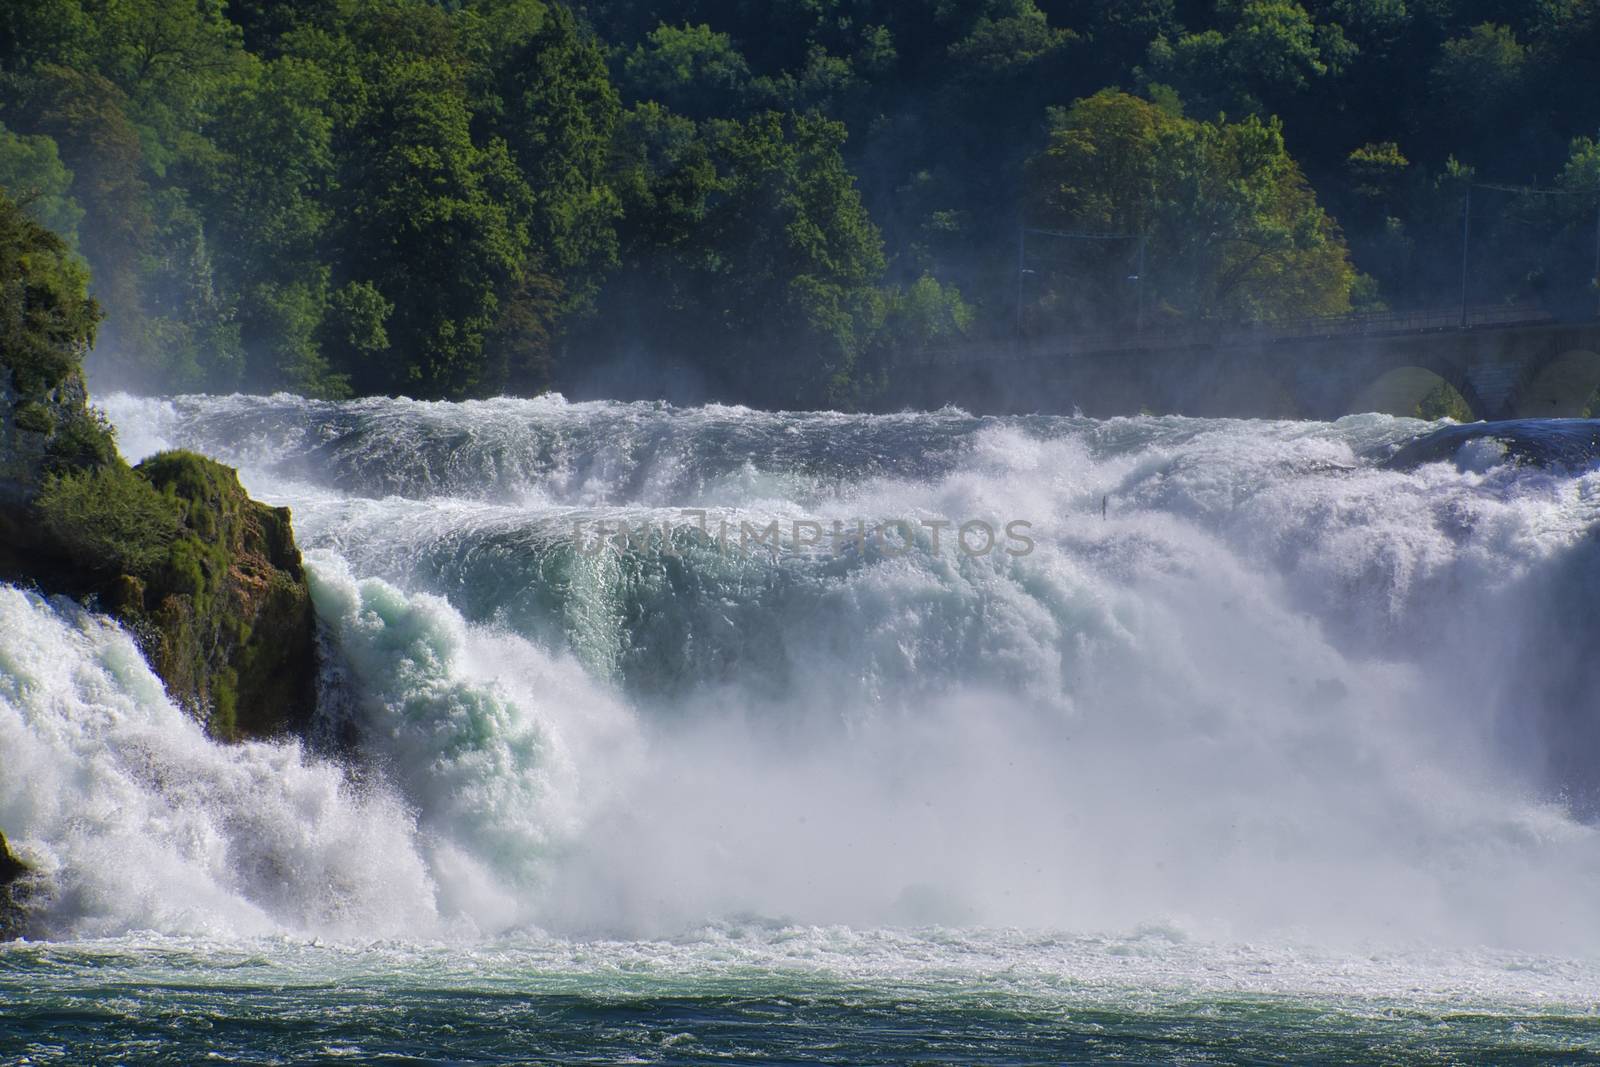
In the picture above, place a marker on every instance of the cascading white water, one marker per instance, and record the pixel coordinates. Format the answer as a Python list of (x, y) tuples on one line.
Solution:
[(1276, 686), (138, 821), (481, 731)]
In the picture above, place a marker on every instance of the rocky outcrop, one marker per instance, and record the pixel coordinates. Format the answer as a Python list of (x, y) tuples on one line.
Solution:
[(36, 427), (11, 904), (208, 580), (227, 611)]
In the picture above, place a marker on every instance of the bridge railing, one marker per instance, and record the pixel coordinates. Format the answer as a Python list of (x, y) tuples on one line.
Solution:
[(1364, 324), (1416, 321)]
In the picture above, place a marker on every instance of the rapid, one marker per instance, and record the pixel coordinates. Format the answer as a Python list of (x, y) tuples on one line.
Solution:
[(1283, 729)]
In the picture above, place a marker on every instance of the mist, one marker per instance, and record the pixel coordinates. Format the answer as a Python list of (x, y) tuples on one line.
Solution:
[(1277, 690)]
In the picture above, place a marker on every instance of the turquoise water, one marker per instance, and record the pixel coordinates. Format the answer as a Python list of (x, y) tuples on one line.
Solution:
[(1277, 747), (787, 996)]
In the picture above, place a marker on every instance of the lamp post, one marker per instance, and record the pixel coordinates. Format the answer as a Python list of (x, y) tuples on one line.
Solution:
[(1594, 282), (1466, 241)]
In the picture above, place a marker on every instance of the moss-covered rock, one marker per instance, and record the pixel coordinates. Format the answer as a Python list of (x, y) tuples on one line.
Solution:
[(208, 580), (233, 629), (46, 431), (11, 868), (108, 519), (12, 871)]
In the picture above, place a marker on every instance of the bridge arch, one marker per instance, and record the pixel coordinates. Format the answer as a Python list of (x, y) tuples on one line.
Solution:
[(1400, 390), (1560, 387)]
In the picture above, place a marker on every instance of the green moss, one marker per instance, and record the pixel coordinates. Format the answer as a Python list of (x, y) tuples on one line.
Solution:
[(231, 580), (84, 438), (108, 518), (1443, 401), (208, 492), (125, 595), (34, 417)]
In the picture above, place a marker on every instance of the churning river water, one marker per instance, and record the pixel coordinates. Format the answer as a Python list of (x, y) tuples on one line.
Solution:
[(1237, 742)]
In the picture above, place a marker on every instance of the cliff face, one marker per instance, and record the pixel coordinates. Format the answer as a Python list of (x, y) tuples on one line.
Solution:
[(11, 909), (33, 427), (228, 611), (208, 580)]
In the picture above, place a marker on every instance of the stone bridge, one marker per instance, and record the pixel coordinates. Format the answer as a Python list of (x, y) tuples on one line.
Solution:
[(1504, 362)]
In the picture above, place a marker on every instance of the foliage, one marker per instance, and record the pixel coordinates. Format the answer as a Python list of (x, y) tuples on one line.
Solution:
[(82, 438), (748, 246), (362, 200), (108, 518), (692, 69), (925, 313), (1264, 52), (1230, 227), (1581, 173), (452, 199), (32, 174), (1479, 75), (1376, 169), (1443, 401), (47, 318)]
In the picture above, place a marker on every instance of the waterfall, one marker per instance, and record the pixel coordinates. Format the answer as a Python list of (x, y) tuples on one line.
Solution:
[(1249, 677)]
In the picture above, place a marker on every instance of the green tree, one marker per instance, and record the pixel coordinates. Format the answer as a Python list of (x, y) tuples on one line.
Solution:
[(915, 319), (1479, 78), (747, 254), (454, 162), (47, 319), (32, 174), (266, 189), (1265, 52), (1233, 230), (1581, 173), (557, 113), (86, 117), (1376, 170), (693, 70), (1580, 176), (430, 221), (123, 89), (1017, 35), (167, 56)]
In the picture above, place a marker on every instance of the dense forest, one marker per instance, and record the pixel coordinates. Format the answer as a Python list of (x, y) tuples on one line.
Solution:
[(778, 202)]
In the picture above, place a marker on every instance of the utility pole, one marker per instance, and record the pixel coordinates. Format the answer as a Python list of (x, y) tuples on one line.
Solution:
[(1022, 268), (1466, 240), (1139, 314)]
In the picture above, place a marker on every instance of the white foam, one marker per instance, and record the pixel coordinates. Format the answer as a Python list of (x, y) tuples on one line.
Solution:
[(135, 820), (1275, 690)]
